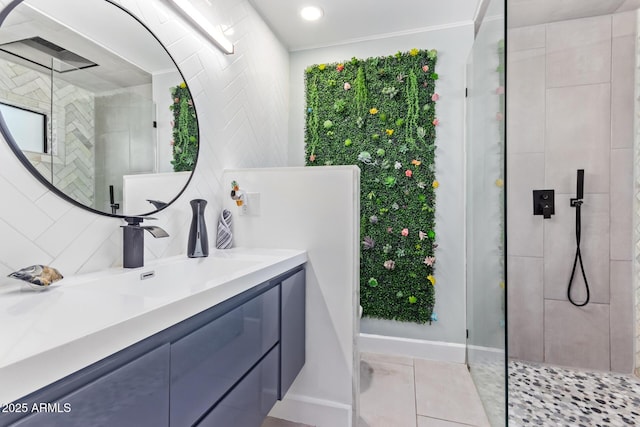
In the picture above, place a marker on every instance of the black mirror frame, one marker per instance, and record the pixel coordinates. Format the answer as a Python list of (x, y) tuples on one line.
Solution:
[(27, 164)]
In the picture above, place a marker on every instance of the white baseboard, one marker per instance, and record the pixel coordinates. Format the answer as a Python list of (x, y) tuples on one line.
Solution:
[(423, 349), (312, 411), (479, 354)]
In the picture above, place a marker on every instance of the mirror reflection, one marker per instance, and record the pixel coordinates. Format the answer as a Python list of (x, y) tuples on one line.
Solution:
[(95, 105)]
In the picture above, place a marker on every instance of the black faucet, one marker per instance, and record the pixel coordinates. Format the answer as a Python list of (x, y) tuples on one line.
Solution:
[(133, 240)]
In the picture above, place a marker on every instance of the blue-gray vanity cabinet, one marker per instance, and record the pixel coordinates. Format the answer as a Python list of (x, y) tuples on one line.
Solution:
[(135, 395), (249, 402), (292, 330), (208, 362), (223, 367)]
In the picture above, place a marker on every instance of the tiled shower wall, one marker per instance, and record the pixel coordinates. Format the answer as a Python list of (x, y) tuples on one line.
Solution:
[(242, 105), (73, 124), (570, 107)]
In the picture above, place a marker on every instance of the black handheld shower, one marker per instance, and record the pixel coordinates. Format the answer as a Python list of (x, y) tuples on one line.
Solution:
[(577, 203), (579, 189)]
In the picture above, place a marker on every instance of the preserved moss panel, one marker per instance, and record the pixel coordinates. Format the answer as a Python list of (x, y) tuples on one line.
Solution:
[(185, 129), (379, 113)]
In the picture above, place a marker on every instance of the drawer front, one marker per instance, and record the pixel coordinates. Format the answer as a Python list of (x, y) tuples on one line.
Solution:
[(292, 339), (248, 404), (136, 395), (206, 363)]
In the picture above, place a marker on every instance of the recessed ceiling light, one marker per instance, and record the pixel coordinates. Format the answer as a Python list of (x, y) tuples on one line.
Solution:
[(311, 13)]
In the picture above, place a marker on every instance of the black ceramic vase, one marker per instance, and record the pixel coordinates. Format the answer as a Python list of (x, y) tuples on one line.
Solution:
[(198, 245)]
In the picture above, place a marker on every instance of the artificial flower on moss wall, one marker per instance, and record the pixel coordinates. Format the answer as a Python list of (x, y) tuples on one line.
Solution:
[(185, 129), (379, 114)]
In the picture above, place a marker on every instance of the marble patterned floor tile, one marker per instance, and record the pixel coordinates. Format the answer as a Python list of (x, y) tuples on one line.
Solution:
[(547, 395)]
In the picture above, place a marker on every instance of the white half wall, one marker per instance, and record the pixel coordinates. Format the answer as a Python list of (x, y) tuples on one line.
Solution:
[(137, 189), (454, 45), (315, 209)]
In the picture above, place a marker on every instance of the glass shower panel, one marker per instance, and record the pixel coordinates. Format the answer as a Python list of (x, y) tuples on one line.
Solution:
[(485, 227)]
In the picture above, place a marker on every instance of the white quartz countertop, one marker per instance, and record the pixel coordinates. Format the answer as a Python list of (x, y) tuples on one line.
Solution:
[(80, 320)]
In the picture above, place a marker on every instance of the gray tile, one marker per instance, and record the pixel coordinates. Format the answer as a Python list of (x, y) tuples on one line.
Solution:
[(577, 137), (622, 87), (387, 395), (526, 106), (621, 199), (629, 5), (525, 308), (579, 52), (387, 358), (434, 422), (523, 38), (560, 249), (454, 398), (525, 173), (530, 12), (624, 23), (622, 324), (576, 336)]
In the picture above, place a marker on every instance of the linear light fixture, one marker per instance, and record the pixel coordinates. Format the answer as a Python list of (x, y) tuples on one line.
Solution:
[(213, 33)]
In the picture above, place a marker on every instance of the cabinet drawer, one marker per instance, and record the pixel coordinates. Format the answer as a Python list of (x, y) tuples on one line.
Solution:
[(206, 363), (136, 395), (249, 402)]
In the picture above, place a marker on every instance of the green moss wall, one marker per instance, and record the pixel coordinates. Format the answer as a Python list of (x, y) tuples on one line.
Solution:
[(379, 113)]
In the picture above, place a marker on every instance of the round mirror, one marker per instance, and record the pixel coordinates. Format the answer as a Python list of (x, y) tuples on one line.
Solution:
[(93, 105)]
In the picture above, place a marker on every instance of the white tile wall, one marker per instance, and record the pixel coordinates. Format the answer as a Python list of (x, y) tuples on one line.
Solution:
[(242, 105)]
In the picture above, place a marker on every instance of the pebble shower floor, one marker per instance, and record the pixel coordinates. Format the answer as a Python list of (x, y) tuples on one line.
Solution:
[(546, 395)]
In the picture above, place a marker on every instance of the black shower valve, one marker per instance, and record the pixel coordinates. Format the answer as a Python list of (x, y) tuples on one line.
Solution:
[(544, 203)]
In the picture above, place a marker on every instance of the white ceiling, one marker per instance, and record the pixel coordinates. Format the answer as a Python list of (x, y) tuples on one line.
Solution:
[(352, 20)]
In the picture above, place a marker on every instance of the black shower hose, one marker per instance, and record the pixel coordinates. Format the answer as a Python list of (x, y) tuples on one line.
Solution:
[(578, 257)]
